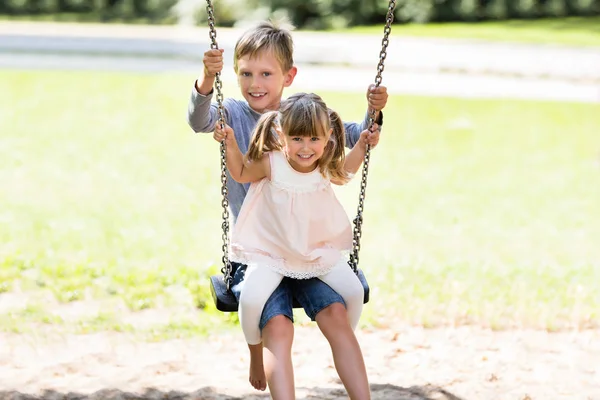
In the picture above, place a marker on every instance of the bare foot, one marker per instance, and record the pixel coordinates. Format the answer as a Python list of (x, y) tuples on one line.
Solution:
[(257, 369)]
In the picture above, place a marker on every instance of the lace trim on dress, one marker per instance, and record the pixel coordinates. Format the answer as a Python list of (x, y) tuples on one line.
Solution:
[(312, 270)]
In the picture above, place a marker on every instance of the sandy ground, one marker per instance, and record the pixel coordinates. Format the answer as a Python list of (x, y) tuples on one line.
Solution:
[(405, 363)]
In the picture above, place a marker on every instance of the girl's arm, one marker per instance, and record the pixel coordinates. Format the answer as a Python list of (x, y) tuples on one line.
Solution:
[(356, 156), (240, 171)]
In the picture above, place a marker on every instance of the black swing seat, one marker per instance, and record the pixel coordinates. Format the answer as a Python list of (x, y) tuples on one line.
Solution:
[(225, 300)]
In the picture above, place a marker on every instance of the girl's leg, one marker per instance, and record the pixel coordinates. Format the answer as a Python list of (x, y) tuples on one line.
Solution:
[(259, 283), (344, 281), (324, 305), (347, 355), (278, 336)]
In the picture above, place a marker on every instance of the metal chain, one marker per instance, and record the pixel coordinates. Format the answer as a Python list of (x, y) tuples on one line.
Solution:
[(358, 220), (226, 269)]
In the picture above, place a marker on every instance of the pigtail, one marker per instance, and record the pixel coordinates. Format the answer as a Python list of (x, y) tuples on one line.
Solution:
[(334, 156), (264, 138)]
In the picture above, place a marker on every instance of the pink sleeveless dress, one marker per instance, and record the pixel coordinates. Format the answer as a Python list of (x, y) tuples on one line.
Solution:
[(292, 223)]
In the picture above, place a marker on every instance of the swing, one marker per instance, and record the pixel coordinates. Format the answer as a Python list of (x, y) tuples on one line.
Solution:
[(220, 285)]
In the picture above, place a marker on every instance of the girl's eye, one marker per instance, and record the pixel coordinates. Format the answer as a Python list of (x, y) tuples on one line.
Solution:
[(314, 138), (296, 139)]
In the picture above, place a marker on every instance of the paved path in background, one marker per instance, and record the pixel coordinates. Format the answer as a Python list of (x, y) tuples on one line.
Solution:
[(313, 47), (425, 66)]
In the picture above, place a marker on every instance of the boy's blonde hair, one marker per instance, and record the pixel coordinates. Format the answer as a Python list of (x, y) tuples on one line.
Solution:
[(303, 114), (267, 36)]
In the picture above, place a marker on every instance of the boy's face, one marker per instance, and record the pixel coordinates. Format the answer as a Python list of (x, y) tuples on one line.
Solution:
[(262, 80)]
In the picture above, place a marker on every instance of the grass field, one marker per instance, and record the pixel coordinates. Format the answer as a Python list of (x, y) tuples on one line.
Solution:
[(478, 211), (574, 31)]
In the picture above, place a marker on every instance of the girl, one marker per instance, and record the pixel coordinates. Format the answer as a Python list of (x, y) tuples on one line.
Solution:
[(291, 223)]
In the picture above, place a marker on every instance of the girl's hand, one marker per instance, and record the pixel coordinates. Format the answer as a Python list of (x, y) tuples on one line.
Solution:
[(224, 134), (369, 137)]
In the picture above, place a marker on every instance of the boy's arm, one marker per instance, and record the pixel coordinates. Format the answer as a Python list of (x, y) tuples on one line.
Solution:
[(354, 129), (377, 99), (202, 115)]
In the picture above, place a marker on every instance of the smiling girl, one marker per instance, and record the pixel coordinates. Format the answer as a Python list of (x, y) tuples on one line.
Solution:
[(291, 224)]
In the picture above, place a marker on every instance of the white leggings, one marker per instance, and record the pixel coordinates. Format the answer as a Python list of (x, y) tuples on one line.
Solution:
[(261, 281)]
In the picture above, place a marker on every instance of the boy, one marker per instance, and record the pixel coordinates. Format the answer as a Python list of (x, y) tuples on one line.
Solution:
[(263, 62)]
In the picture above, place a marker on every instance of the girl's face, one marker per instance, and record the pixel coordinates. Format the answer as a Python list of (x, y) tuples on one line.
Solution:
[(303, 152)]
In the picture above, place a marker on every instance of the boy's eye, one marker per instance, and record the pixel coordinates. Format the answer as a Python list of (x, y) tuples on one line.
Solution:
[(245, 73), (267, 74)]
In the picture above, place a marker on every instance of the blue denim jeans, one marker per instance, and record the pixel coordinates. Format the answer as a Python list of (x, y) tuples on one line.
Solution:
[(312, 294)]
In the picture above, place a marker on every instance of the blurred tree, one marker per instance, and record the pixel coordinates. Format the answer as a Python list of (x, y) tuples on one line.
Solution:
[(44, 6), (555, 8), (16, 6), (468, 10), (496, 9), (523, 8), (419, 11), (583, 7), (316, 14)]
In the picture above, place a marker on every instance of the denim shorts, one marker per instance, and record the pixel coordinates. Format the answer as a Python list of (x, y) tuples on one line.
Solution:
[(312, 294)]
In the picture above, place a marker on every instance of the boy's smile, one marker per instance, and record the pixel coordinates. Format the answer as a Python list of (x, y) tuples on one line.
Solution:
[(262, 80)]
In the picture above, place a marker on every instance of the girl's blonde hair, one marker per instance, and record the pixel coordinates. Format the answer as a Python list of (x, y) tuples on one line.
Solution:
[(304, 115)]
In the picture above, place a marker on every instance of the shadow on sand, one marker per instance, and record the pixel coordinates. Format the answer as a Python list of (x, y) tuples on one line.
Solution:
[(378, 392)]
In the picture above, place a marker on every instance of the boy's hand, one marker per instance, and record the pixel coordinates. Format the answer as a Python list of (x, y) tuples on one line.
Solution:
[(377, 97), (224, 134), (213, 62), (369, 137)]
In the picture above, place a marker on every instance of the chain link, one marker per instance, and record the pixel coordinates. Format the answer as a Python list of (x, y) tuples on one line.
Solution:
[(358, 220), (226, 269)]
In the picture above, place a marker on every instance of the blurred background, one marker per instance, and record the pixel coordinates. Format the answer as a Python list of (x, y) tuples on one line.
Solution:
[(483, 203)]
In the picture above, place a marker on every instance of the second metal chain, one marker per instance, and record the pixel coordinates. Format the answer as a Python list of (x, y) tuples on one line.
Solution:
[(358, 220), (226, 269)]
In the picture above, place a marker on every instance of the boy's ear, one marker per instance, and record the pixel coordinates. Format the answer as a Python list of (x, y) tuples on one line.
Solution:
[(289, 76)]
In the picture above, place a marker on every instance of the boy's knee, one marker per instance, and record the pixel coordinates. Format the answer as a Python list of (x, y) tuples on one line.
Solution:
[(278, 328), (334, 313)]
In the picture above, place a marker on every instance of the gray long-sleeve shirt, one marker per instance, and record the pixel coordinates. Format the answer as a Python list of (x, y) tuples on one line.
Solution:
[(203, 115)]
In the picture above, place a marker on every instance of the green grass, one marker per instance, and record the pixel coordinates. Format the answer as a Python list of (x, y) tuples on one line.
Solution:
[(573, 31), (478, 211)]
